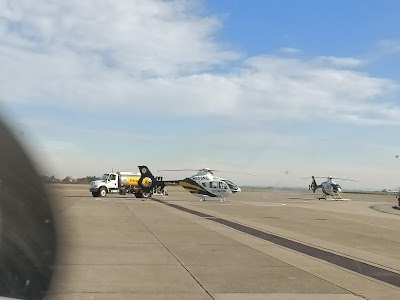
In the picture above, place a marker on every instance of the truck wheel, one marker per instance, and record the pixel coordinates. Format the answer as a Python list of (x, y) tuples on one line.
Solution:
[(103, 191), (139, 195), (146, 195), (95, 194)]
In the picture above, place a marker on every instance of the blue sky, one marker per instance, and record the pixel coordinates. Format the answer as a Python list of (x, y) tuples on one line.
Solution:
[(280, 89)]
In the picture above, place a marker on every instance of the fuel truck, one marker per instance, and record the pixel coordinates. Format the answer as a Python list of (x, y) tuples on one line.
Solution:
[(119, 182)]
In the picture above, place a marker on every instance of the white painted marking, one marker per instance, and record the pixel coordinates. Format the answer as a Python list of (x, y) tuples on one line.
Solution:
[(133, 200), (361, 222), (262, 204)]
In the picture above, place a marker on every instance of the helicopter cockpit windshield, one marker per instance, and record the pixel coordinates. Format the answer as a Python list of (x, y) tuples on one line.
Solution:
[(336, 186), (232, 186)]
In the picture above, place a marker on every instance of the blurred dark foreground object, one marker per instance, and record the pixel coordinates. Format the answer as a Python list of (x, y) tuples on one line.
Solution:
[(27, 228)]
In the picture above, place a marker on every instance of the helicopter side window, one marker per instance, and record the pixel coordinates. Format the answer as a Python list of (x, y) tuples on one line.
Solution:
[(222, 185), (213, 185)]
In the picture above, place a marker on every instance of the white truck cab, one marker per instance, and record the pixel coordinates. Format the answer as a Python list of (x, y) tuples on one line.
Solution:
[(119, 182)]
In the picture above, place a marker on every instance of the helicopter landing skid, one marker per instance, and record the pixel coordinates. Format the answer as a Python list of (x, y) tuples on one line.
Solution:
[(223, 199), (333, 198)]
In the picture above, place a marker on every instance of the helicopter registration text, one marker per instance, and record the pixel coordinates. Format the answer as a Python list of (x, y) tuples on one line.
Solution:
[(200, 178)]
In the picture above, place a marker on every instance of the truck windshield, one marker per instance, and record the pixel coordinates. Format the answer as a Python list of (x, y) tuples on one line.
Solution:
[(105, 176)]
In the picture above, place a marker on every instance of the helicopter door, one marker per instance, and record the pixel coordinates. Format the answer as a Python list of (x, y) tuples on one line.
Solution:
[(222, 186), (213, 184)]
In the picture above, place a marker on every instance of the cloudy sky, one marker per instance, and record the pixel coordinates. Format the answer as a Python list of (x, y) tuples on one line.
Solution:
[(280, 89)]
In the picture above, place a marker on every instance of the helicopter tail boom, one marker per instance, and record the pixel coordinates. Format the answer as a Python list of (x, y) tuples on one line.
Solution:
[(147, 180), (313, 186)]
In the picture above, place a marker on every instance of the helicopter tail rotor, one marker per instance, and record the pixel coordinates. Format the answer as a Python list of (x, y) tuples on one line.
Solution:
[(313, 186)]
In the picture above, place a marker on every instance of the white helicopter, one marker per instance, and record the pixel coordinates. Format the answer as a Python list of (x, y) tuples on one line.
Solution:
[(330, 189), (203, 184)]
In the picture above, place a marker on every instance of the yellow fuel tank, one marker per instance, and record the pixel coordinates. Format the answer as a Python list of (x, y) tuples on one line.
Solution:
[(129, 179)]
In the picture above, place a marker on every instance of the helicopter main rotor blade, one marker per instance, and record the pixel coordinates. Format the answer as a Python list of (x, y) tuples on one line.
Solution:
[(346, 179), (325, 177), (203, 169), (178, 170), (233, 172)]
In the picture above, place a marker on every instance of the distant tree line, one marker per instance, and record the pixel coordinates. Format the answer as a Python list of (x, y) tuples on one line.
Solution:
[(68, 179)]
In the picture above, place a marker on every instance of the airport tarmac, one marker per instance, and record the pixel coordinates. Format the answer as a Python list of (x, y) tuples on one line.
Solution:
[(263, 244)]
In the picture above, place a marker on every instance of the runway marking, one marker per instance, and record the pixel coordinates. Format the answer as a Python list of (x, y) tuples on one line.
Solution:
[(124, 201), (262, 204), (361, 222), (359, 267), (395, 211), (209, 203)]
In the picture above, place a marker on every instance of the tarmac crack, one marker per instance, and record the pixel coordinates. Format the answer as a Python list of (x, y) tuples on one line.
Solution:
[(173, 255)]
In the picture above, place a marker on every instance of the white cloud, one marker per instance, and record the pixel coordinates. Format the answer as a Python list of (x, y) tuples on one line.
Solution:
[(148, 57), (346, 62), (299, 89), (264, 87), (159, 55), (141, 37), (389, 46), (288, 50)]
